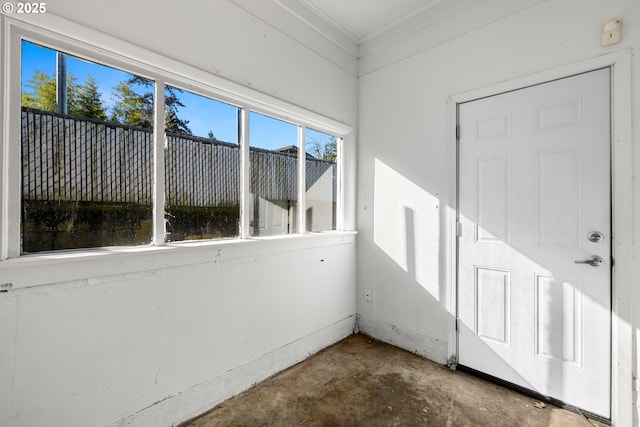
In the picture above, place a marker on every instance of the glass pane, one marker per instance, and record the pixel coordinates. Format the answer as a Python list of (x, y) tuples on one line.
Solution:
[(274, 176), (202, 167), (321, 176), (87, 157)]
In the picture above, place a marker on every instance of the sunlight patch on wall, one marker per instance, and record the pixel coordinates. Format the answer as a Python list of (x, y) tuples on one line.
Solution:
[(406, 226)]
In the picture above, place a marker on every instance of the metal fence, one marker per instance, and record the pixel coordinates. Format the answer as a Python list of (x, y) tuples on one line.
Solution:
[(71, 159), (201, 172)]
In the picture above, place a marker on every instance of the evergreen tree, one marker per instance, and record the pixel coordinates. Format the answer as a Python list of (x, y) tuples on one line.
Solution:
[(132, 108), (82, 99), (88, 102), (173, 123)]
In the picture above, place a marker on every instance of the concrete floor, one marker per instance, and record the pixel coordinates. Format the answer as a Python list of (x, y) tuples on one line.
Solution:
[(363, 382)]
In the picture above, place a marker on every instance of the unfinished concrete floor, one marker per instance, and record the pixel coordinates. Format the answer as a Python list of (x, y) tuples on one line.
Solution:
[(363, 382)]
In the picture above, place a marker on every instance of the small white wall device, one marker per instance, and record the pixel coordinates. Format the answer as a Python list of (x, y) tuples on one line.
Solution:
[(611, 32)]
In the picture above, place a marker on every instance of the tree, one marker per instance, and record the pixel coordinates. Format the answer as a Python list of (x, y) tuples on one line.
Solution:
[(173, 123), (132, 108), (88, 102), (82, 99), (327, 150), (42, 95), (136, 109)]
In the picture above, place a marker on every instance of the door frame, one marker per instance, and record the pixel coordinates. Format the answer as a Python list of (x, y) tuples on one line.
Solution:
[(621, 215)]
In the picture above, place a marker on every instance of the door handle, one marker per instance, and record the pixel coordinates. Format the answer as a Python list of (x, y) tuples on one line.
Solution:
[(593, 261)]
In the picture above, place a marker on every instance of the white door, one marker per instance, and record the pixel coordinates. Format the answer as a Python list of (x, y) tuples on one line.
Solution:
[(534, 198)]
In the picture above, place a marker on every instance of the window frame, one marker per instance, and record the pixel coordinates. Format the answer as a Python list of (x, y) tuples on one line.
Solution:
[(104, 50)]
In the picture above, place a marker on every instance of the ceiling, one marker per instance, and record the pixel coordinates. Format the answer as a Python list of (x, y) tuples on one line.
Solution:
[(364, 19)]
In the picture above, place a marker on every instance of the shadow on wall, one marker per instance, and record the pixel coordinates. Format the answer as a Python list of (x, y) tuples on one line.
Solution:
[(408, 239), (407, 236), (402, 211), (401, 266)]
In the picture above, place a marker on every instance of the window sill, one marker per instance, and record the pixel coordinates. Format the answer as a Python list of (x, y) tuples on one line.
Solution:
[(47, 268)]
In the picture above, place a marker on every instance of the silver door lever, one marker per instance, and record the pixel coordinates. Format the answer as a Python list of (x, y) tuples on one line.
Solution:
[(593, 261)]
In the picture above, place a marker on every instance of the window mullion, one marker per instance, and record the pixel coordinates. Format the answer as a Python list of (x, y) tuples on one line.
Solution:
[(245, 174), (158, 165), (340, 180), (302, 188)]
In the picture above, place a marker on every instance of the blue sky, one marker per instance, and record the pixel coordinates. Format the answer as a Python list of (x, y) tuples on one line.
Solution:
[(204, 114)]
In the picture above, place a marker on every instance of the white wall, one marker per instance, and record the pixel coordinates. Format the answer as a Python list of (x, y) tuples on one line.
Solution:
[(152, 336), (406, 84), (226, 40), (100, 340)]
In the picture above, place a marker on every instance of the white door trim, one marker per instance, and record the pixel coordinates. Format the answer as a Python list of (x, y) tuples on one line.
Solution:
[(622, 192)]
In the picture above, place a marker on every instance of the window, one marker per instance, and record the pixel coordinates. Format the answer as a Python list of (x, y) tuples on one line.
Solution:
[(88, 156), (321, 174), (274, 176), (202, 167), (86, 164)]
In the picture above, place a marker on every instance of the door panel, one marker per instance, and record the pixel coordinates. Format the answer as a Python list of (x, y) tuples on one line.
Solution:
[(534, 176)]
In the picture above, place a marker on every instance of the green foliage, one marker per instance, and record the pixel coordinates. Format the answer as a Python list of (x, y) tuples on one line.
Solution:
[(173, 123), (136, 109), (71, 224), (82, 99), (89, 102), (132, 108), (202, 222), (42, 93)]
